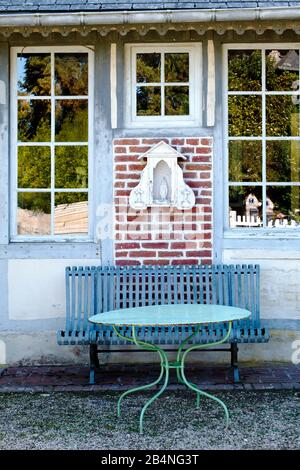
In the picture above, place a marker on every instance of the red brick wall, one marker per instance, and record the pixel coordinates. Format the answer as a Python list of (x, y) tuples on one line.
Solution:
[(163, 235)]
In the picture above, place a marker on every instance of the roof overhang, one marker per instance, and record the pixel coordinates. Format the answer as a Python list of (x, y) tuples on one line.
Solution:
[(219, 20)]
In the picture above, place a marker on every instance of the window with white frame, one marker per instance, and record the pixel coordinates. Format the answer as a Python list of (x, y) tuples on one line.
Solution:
[(163, 84), (262, 136), (51, 116)]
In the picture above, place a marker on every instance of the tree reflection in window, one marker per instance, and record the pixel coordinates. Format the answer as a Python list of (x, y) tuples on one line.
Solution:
[(162, 87), (50, 166), (268, 161)]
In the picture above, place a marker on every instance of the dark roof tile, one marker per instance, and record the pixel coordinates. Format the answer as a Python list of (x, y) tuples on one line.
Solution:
[(110, 5)]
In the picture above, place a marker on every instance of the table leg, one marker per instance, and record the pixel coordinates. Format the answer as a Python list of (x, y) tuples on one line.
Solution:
[(165, 368), (193, 386), (179, 369), (138, 389), (164, 372)]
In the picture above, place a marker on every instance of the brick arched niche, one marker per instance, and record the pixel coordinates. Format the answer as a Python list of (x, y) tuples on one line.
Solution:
[(163, 235)]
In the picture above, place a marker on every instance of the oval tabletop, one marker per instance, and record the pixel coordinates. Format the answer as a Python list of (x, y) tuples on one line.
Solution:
[(179, 314)]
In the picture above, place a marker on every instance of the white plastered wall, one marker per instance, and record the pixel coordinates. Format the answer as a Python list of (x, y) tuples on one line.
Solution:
[(280, 280), (36, 288)]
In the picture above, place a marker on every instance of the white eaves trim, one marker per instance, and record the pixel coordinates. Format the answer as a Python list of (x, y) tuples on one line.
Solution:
[(138, 17)]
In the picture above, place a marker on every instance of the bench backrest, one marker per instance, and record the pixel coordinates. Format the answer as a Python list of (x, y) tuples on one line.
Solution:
[(92, 290)]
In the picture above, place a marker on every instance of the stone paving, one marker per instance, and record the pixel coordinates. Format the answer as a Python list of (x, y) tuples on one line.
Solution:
[(267, 376)]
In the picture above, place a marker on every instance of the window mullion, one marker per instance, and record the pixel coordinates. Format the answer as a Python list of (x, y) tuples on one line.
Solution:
[(226, 215), (298, 84), (162, 87), (264, 189), (52, 141), (134, 86)]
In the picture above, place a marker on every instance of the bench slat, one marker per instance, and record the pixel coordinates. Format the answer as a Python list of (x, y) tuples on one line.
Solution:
[(86, 311), (68, 299), (79, 300), (257, 297), (73, 299), (105, 291)]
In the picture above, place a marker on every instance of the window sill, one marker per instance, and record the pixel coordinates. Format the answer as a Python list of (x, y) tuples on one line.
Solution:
[(50, 241), (279, 234), (266, 244), (158, 123), (86, 249)]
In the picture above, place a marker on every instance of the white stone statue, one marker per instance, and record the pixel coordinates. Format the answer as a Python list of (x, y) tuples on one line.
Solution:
[(163, 190), (186, 192), (138, 193)]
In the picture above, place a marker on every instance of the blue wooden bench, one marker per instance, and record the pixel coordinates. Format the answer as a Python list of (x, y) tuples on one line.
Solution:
[(92, 290)]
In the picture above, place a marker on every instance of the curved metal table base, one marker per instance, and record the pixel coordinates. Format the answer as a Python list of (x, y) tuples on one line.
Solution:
[(166, 365)]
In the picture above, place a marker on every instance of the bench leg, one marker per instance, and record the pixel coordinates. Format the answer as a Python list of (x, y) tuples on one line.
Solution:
[(94, 362), (234, 362)]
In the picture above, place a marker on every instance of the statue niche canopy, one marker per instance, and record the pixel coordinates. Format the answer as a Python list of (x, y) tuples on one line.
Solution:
[(162, 182)]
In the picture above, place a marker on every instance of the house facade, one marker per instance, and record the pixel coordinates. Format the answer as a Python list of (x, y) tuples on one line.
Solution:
[(90, 94)]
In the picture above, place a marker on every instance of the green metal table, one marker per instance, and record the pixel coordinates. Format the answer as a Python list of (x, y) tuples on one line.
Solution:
[(170, 315)]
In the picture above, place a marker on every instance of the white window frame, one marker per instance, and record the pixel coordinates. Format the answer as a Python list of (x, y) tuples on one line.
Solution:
[(263, 232), (195, 85), (14, 143)]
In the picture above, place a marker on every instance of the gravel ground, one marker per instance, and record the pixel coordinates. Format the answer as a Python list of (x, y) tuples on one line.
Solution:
[(259, 420)]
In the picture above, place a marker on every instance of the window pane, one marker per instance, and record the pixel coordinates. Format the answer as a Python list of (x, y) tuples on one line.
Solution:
[(71, 74), (148, 101), (34, 167), (71, 120), (244, 70), (33, 215), (282, 70), (34, 74), (177, 67), (176, 100), (71, 167), (34, 118), (245, 160), (245, 117), (71, 214), (245, 207), (282, 115), (283, 206), (148, 68), (283, 161)]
